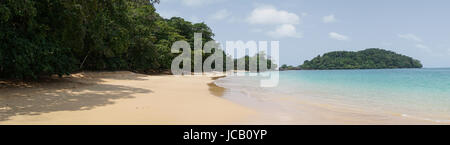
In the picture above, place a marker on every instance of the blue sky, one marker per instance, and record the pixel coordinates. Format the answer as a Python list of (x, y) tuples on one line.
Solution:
[(307, 28)]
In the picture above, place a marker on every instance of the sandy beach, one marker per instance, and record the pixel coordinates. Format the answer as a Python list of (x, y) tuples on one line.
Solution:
[(120, 98), (126, 98)]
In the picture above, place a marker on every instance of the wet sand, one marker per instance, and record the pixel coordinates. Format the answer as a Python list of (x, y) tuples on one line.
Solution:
[(285, 109)]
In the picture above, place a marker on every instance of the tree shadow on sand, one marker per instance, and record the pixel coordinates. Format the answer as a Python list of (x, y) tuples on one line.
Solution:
[(64, 94)]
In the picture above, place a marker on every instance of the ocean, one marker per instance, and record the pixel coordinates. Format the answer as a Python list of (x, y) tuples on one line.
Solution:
[(422, 94)]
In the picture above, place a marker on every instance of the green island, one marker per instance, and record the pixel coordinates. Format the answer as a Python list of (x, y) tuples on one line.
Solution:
[(372, 58)]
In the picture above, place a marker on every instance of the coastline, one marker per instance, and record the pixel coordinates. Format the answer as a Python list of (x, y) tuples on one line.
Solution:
[(286, 109), (121, 98), (126, 98)]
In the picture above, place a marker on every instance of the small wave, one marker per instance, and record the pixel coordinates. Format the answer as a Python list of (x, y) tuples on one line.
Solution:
[(426, 119)]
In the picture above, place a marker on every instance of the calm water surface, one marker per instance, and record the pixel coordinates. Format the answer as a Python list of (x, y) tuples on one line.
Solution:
[(415, 93)]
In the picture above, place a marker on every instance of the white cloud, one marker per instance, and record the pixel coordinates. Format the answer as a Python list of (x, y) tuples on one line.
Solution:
[(410, 37), (422, 46), (270, 15), (338, 36), (285, 30), (415, 38), (283, 20), (329, 19), (221, 14)]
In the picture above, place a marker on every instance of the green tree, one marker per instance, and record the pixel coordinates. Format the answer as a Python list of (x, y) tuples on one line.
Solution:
[(373, 58)]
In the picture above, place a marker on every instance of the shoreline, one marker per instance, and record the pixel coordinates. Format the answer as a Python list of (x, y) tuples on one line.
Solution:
[(121, 98), (291, 110), (126, 98)]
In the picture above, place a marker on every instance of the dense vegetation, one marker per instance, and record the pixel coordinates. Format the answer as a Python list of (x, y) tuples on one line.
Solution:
[(289, 67), (373, 58), (246, 61), (45, 37)]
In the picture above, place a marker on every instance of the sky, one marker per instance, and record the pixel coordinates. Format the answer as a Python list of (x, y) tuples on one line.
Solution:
[(307, 28)]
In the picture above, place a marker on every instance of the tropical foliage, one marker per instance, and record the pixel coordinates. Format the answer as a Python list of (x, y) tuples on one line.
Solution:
[(46, 37), (373, 58), (289, 67), (247, 61)]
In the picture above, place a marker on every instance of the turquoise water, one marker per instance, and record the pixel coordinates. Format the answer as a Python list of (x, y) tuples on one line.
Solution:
[(415, 93)]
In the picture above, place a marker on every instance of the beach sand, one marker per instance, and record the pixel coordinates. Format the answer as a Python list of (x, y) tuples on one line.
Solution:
[(120, 98), (126, 98)]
